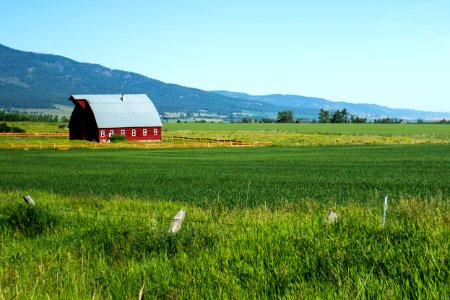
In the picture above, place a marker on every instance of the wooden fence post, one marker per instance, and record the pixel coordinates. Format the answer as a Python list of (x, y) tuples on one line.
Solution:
[(385, 208), (175, 226), (29, 200), (331, 217)]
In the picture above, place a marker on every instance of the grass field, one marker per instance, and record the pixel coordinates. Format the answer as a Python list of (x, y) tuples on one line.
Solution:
[(257, 176), (254, 227)]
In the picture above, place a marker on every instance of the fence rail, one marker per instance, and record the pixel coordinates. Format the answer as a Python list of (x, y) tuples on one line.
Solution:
[(204, 139), (151, 145), (34, 134)]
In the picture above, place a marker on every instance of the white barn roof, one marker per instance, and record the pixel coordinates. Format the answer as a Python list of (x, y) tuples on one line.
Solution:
[(122, 110)]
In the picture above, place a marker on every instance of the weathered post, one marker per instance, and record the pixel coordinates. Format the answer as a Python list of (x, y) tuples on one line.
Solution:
[(331, 217), (385, 210), (29, 200), (175, 226)]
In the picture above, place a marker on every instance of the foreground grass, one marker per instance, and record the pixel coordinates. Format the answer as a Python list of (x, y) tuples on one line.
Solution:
[(75, 247)]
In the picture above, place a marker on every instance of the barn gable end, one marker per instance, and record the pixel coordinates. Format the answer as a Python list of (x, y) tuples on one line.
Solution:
[(96, 117)]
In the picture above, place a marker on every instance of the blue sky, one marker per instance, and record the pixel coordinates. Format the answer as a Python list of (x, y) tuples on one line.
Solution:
[(392, 53)]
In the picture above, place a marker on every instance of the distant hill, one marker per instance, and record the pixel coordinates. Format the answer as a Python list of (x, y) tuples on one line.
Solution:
[(33, 80), (302, 105)]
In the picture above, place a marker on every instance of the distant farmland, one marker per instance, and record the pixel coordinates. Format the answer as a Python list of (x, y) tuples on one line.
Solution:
[(424, 130)]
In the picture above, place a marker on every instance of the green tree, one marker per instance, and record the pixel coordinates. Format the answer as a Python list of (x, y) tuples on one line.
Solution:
[(340, 116), (286, 116), (324, 116), (357, 119)]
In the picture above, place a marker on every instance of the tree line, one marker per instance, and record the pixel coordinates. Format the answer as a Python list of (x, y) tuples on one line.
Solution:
[(17, 116), (286, 116), (327, 116)]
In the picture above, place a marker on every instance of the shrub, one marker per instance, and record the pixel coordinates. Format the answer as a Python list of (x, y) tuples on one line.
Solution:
[(116, 138), (5, 128)]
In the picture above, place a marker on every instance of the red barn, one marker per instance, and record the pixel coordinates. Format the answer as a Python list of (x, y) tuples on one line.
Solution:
[(97, 117)]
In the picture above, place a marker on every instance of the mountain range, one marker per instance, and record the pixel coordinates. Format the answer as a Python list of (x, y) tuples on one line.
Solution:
[(34, 80)]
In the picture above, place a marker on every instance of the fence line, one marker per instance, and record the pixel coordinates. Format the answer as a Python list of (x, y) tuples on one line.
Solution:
[(179, 217), (144, 216), (35, 134), (332, 217), (151, 145)]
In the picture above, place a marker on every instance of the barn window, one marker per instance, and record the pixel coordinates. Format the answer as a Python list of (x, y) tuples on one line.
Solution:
[(102, 133), (111, 132), (144, 132), (133, 132), (122, 132), (155, 131)]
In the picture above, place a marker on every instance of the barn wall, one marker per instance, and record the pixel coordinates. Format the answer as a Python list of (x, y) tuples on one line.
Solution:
[(151, 136), (82, 125)]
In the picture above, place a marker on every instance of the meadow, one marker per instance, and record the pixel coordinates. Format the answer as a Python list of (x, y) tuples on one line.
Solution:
[(254, 226)]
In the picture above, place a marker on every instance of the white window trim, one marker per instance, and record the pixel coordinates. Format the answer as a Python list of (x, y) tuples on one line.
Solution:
[(155, 131), (122, 132), (102, 133), (144, 132), (111, 132), (133, 132)]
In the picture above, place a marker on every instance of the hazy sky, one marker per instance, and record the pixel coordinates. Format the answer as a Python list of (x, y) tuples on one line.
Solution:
[(389, 52)]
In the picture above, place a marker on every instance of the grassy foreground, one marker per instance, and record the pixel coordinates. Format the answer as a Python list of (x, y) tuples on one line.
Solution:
[(74, 247), (254, 226)]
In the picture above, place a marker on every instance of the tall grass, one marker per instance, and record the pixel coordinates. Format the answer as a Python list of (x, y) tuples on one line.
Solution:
[(73, 247)]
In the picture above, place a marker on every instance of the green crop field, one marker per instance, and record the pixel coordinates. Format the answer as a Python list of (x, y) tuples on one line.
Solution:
[(267, 175), (254, 226)]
